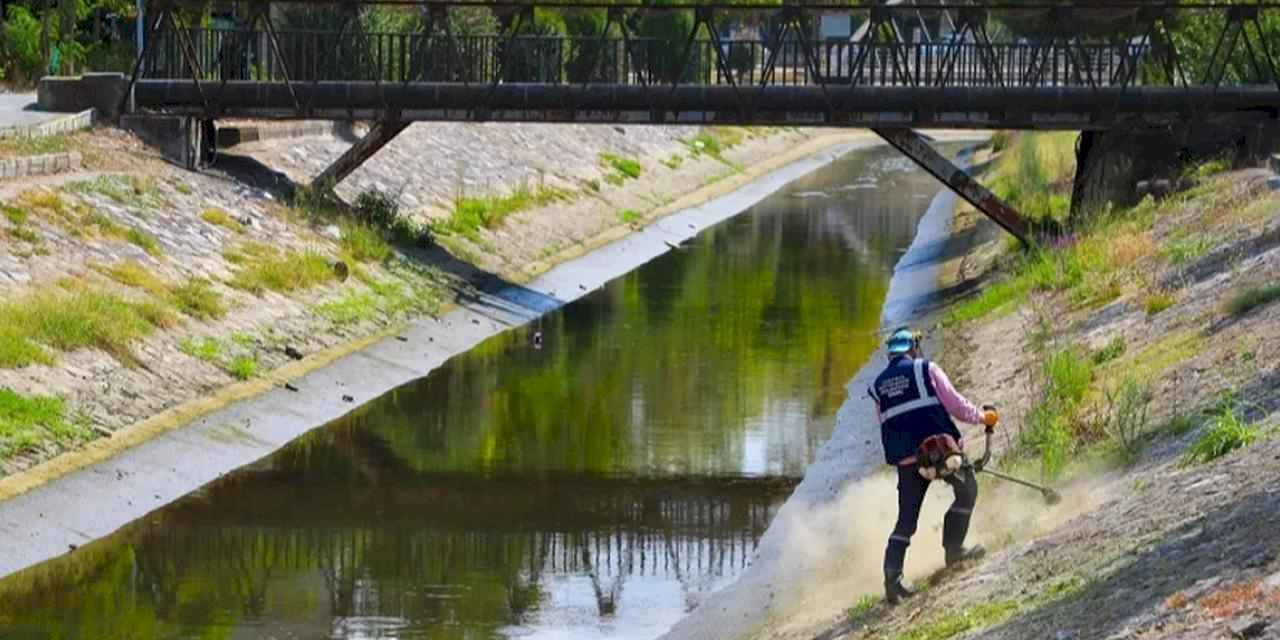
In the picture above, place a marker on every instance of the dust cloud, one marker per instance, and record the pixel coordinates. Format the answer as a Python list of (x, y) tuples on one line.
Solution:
[(832, 553)]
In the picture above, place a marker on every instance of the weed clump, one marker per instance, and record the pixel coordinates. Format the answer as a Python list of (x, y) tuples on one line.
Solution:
[(629, 216), (1226, 434), (472, 214), (25, 421), (220, 218), (69, 319), (364, 244), (143, 240), (1250, 299), (265, 269), (197, 298)]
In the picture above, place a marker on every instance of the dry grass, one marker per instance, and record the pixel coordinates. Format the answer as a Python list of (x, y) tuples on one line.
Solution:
[(1233, 600)]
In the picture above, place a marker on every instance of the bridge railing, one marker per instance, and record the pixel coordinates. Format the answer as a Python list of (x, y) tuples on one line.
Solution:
[(234, 54)]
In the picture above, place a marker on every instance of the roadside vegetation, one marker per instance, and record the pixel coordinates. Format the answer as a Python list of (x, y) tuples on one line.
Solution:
[(1091, 403)]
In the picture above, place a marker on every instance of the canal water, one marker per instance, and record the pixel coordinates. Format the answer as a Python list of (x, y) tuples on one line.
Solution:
[(598, 484)]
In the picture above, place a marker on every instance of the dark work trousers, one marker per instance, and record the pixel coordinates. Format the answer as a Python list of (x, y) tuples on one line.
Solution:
[(911, 490)]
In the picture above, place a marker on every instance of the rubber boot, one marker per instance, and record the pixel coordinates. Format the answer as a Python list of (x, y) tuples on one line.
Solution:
[(895, 591), (894, 557), (964, 554)]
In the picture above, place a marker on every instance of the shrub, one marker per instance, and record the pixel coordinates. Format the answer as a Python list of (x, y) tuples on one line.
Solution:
[(1226, 434), (197, 298), (1068, 374), (1113, 349), (378, 208), (1049, 435), (1000, 140), (1249, 299), (1126, 417)]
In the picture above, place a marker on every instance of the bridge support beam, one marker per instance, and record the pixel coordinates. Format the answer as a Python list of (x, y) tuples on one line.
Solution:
[(382, 132), (913, 146)]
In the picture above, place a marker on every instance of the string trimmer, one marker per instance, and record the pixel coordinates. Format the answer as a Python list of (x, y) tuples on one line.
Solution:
[(1051, 497)]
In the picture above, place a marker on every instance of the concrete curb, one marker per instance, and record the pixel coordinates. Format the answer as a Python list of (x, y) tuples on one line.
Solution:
[(67, 124), (25, 166)]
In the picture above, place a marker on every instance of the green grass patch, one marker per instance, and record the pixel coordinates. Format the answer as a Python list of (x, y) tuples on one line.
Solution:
[(132, 273), (1225, 434), (197, 298), (365, 244), (132, 190), (14, 215), (354, 307), (630, 216), (1169, 351), (208, 349), (1034, 172), (69, 319), (1185, 250), (472, 214), (242, 367), (143, 240), (1250, 299), (282, 273), (27, 421), (623, 168), (862, 607), (1003, 296), (34, 146), (953, 624), (673, 161), (220, 218), (1113, 349), (1157, 301), (25, 234)]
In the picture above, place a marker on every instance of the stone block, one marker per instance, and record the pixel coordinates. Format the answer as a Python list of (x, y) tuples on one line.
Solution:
[(102, 92)]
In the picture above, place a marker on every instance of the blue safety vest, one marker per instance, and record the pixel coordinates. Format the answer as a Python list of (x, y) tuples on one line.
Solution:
[(910, 410)]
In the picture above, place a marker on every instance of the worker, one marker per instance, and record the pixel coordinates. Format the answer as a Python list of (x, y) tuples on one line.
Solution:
[(914, 401)]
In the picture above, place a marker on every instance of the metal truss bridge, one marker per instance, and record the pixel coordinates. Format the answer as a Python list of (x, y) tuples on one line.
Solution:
[(975, 65), (897, 65)]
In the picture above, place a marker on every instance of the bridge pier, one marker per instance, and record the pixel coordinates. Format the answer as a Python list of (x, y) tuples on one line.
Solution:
[(913, 146), (379, 135)]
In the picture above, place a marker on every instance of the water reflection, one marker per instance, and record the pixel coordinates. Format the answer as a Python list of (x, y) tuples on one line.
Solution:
[(598, 485)]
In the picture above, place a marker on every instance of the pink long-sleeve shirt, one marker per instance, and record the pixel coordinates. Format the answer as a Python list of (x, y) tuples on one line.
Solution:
[(957, 405)]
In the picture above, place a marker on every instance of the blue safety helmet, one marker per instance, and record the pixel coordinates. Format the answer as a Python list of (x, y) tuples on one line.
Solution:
[(902, 341)]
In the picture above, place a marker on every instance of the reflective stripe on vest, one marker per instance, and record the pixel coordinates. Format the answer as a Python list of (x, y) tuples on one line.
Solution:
[(925, 400)]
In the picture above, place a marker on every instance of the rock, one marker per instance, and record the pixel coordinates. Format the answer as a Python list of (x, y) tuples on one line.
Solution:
[(293, 353), (1247, 627), (347, 398), (332, 232), (290, 387), (340, 270), (1270, 584)]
